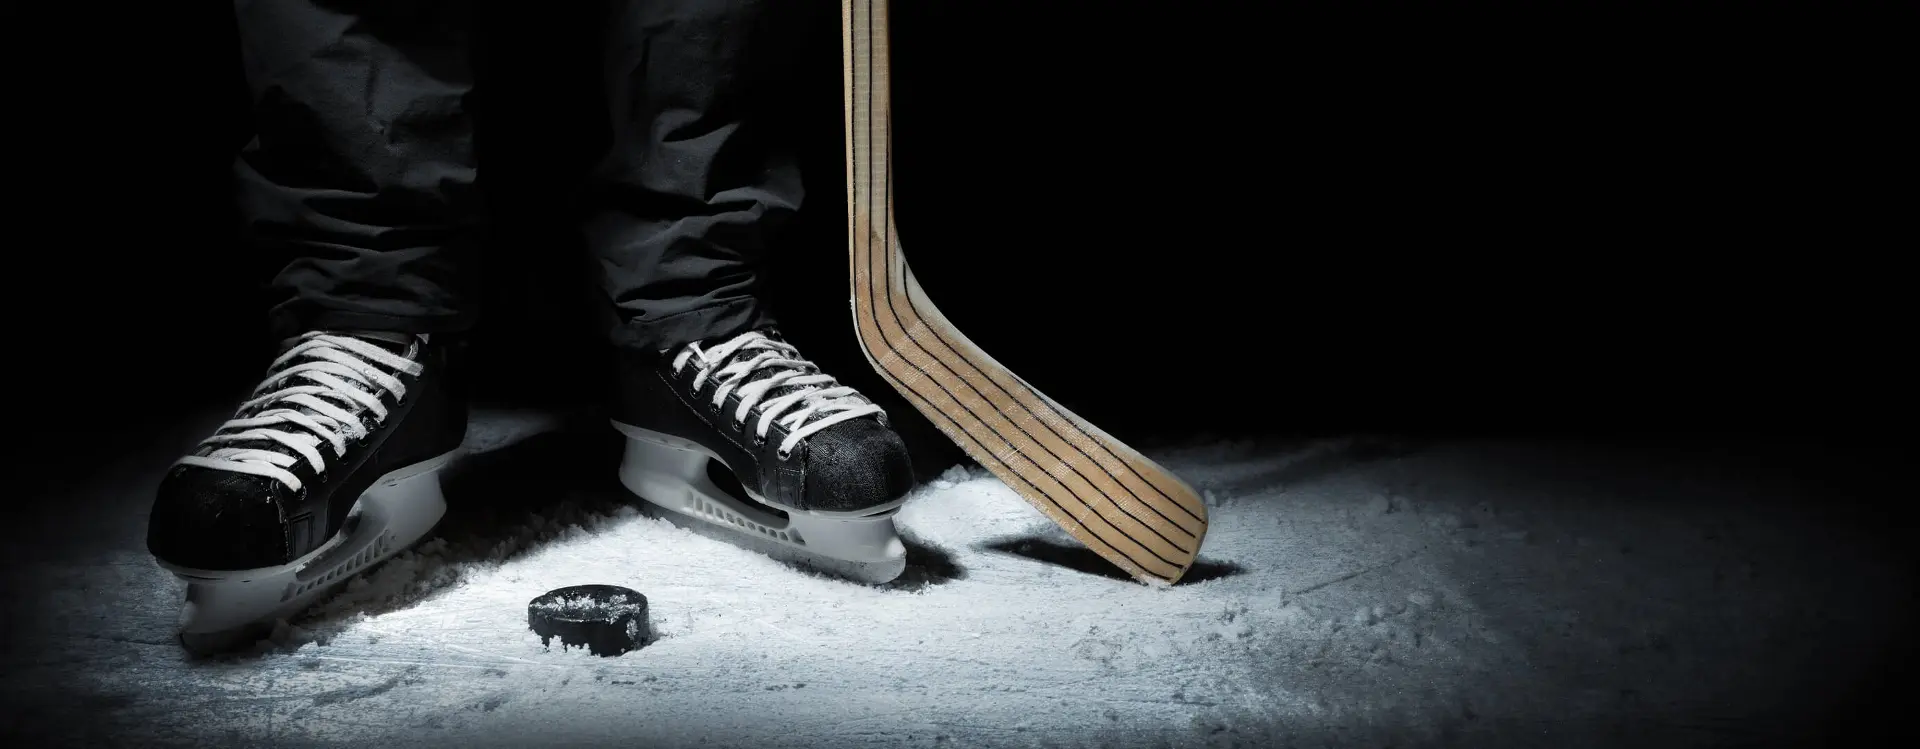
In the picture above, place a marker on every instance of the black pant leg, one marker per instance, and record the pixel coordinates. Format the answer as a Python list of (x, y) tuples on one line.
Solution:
[(700, 174), (361, 175)]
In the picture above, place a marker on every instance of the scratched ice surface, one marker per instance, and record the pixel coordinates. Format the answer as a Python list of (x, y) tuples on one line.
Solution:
[(1442, 594)]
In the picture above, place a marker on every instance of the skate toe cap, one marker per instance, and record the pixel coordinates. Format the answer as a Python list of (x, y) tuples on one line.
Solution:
[(855, 465), (216, 520)]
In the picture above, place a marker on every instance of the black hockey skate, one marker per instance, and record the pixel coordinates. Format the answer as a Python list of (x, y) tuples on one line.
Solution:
[(329, 468), (744, 435)]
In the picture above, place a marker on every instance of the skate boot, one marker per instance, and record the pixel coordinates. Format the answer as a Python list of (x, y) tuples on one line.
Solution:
[(329, 468), (741, 434)]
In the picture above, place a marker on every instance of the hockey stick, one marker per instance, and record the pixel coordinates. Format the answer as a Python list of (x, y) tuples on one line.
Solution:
[(1124, 507)]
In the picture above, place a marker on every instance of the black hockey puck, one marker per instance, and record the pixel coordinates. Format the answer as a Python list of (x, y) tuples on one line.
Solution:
[(607, 620)]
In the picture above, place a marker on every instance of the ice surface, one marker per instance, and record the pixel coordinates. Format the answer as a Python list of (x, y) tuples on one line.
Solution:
[(1347, 595)]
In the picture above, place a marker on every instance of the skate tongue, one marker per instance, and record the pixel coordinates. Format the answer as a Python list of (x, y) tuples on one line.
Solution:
[(398, 343)]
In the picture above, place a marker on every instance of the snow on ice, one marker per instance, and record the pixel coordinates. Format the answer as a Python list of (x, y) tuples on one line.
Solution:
[(1347, 595)]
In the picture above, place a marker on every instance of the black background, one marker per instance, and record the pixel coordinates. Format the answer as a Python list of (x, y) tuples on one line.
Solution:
[(1170, 221)]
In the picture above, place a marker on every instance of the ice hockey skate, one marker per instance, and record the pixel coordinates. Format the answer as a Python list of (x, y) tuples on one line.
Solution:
[(330, 467), (744, 436)]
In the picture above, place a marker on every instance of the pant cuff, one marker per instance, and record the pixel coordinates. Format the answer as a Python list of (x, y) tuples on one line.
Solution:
[(681, 328), (287, 323)]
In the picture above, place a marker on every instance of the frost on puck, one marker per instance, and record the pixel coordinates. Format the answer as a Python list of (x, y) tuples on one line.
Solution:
[(607, 620)]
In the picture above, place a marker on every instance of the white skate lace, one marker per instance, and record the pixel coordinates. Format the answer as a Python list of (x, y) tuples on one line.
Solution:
[(814, 401), (305, 406)]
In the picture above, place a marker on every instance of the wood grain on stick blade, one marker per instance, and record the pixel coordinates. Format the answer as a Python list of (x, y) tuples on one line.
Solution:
[(1123, 506)]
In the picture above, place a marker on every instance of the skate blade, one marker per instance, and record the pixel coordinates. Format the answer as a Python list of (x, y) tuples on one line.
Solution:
[(878, 572), (671, 474), (226, 609)]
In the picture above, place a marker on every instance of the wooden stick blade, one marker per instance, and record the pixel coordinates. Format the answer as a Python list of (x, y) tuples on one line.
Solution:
[(1123, 506)]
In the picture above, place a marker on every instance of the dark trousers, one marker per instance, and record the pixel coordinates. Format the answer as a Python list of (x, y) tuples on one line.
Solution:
[(362, 175)]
